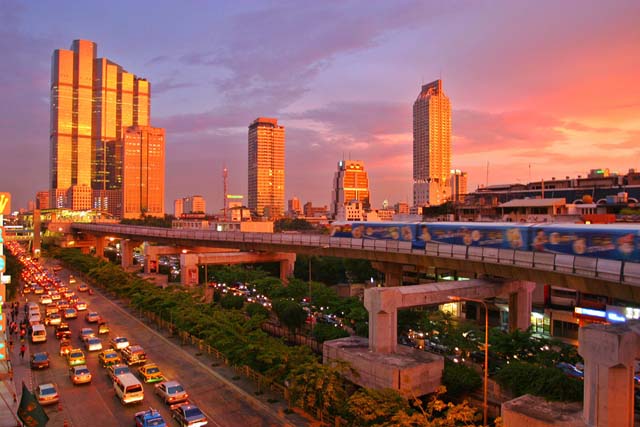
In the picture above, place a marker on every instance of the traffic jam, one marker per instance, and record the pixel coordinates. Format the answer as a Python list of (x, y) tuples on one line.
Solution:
[(55, 307)]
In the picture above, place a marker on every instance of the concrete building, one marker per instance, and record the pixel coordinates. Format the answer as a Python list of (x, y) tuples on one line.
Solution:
[(42, 200), (458, 185), (294, 207), (266, 168), (350, 182), (178, 208), (194, 204), (143, 172), (431, 146), (93, 102)]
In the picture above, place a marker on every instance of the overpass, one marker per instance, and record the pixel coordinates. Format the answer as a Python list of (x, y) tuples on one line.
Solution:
[(616, 279)]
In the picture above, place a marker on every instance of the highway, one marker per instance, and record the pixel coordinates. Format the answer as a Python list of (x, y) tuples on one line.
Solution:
[(224, 403)]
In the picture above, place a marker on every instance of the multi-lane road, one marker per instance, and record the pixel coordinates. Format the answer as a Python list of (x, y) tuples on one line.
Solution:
[(224, 403)]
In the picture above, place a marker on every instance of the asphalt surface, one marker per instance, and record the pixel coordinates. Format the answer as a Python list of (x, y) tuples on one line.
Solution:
[(226, 399)]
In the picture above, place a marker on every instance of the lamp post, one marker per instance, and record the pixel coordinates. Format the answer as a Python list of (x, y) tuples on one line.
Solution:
[(486, 352)]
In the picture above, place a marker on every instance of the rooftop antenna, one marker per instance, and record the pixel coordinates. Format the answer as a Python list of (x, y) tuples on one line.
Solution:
[(487, 179), (225, 175)]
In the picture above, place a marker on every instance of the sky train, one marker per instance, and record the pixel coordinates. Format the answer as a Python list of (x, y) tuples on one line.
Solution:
[(610, 241)]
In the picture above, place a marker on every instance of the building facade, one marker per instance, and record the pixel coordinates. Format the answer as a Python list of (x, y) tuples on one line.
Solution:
[(143, 172), (194, 204), (93, 102), (294, 207), (458, 185), (431, 146), (266, 168), (350, 182)]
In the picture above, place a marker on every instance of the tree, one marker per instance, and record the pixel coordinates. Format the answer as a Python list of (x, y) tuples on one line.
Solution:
[(290, 313), (369, 407), (232, 302)]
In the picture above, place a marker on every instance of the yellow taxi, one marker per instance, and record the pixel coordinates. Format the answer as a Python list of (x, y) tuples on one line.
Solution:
[(109, 357), (150, 373), (76, 357)]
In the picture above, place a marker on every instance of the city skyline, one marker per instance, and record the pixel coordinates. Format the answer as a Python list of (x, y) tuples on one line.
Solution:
[(537, 89)]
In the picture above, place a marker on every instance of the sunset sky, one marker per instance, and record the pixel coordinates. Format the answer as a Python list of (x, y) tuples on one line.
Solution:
[(538, 89)]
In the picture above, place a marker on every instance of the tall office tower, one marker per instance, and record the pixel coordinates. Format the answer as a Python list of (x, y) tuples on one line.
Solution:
[(431, 146), (266, 168), (458, 185), (350, 182), (143, 172), (92, 101), (194, 204)]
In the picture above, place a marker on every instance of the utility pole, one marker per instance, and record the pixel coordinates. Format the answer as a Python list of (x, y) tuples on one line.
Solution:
[(225, 175)]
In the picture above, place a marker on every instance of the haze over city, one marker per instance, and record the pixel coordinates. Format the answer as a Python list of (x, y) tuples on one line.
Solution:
[(538, 90)]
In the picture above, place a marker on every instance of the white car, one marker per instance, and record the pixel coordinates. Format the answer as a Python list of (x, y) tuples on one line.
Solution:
[(118, 343), (93, 344), (45, 299)]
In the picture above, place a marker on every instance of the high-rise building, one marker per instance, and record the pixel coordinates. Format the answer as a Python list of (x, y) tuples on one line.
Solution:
[(350, 182), (458, 184), (143, 172), (431, 146), (266, 168), (93, 102), (42, 200)]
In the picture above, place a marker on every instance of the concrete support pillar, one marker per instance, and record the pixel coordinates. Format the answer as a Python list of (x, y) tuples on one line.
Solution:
[(286, 267), (383, 319), (189, 269), (520, 303), (609, 352), (392, 272), (150, 264), (126, 252), (100, 247), (36, 247)]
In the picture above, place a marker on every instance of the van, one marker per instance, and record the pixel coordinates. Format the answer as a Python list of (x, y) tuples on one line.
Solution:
[(38, 333), (128, 388)]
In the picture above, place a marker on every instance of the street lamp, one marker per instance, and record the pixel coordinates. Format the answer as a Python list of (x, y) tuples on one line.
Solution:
[(486, 351)]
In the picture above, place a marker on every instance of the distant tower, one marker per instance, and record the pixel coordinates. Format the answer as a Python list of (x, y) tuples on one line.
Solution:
[(431, 146), (225, 175), (266, 168), (350, 182)]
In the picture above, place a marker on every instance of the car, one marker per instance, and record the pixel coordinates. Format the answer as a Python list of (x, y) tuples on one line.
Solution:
[(570, 370), (47, 394), (51, 308), (76, 357), (70, 313), (53, 319), (40, 360), (103, 328), (55, 296), (149, 418), (72, 279), (117, 369), (150, 373), (65, 347), (93, 344), (68, 294), (80, 374), (45, 299), (38, 290), (134, 355), (81, 306), (189, 415), (118, 343), (92, 317), (109, 357), (171, 392), (82, 287), (62, 304), (86, 333)]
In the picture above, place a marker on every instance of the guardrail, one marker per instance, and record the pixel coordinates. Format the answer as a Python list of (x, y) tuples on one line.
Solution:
[(611, 270)]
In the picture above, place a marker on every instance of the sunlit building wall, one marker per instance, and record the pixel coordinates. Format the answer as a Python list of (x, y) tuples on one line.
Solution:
[(350, 182), (178, 208), (458, 184), (143, 162), (194, 204), (42, 200), (266, 168), (92, 101), (431, 146)]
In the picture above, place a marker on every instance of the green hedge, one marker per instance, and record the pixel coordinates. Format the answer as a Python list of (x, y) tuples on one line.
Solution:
[(526, 378)]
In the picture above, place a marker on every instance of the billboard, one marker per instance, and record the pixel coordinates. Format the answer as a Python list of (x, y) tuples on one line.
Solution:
[(5, 203)]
